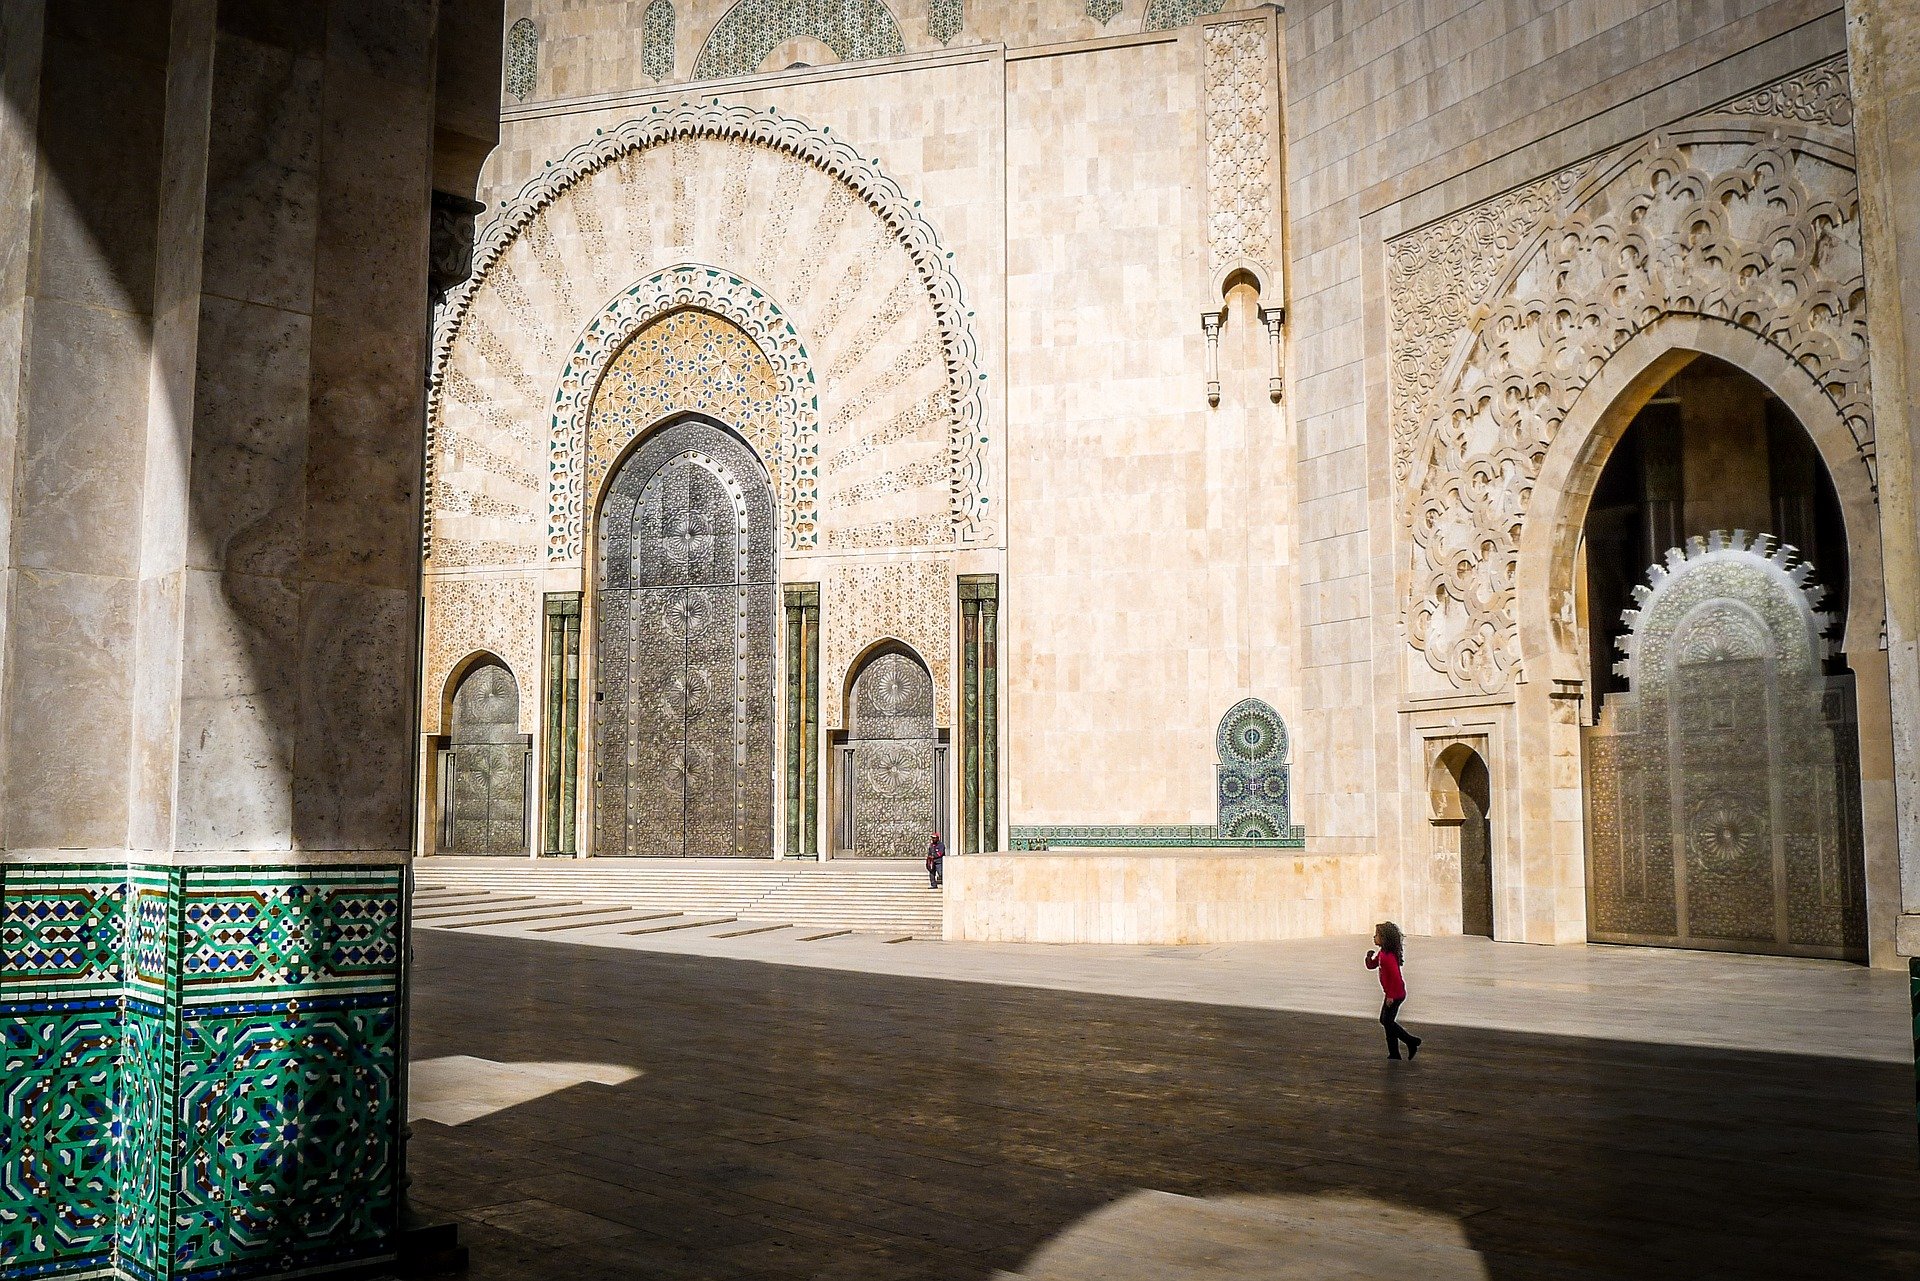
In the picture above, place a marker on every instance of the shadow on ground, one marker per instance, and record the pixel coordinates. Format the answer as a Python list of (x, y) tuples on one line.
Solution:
[(806, 1123)]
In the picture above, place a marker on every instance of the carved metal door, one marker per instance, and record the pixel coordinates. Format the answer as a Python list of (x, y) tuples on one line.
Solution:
[(892, 738), (487, 767), (683, 743), (1723, 789)]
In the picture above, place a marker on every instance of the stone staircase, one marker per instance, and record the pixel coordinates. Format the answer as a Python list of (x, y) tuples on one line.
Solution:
[(883, 896)]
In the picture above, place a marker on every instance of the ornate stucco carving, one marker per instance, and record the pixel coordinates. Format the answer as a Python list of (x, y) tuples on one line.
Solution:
[(1435, 275), (790, 453), (1164, 15), (903, 600), (753, 29), (515, 290), (1240, 180), (1720, 219), (1818, 95), (498, 615)]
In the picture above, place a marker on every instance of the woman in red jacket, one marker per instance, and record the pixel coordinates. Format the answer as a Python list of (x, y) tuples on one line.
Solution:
[(1388, 954)]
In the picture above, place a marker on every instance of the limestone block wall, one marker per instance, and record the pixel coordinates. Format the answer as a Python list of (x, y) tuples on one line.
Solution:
[(1150, 549), (1467, 130)]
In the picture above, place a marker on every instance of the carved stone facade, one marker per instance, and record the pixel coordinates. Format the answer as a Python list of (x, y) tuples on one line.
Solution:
[(937, 265), (1241, 191), (1751, 226)]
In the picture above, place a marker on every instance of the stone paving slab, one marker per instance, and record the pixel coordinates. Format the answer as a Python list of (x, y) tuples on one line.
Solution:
[(807, 1121), (1707, 999)]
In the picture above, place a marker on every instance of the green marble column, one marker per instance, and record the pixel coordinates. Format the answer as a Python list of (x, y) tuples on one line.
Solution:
[(560, 723), (200, 1067), (979, 727), (803, 718)]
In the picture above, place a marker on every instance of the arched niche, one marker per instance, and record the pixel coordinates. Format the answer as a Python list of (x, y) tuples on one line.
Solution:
[(1460, 796), (1548, 619), (891, 775), (483, 768)]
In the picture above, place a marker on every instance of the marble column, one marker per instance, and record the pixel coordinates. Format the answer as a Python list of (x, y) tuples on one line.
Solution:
[(211, 426), (1883, 38)]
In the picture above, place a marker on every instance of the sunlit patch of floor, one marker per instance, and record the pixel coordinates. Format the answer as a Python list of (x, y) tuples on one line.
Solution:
[(461, 1088), (1157, 1236)]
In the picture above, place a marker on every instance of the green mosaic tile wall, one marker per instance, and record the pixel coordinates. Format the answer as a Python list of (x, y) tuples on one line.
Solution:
[(752, 29), (200, 1069)]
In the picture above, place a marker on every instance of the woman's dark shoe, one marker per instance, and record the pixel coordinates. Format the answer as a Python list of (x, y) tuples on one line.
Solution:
[(1414, 1048)]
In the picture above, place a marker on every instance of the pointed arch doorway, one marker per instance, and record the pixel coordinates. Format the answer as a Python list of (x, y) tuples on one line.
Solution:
[(1722, 768), (685, 597)]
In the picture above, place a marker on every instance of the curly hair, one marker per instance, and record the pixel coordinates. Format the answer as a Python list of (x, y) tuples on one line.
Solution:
[(1392, 940)]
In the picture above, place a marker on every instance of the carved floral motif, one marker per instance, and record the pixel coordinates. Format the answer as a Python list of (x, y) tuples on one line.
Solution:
[(904, 600), (1240, 74), (498, 615)]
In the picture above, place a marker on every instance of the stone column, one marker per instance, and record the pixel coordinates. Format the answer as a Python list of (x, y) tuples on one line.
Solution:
[(1883, 39), (215, 448)]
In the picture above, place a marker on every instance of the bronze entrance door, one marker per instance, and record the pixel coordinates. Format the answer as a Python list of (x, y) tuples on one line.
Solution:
[(1723, 790), (486, 767), (891, 792), (683, 740)]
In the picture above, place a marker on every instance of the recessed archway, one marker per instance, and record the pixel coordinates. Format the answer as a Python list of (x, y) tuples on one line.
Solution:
[(892, 761), (1556, 611), (483, 769)]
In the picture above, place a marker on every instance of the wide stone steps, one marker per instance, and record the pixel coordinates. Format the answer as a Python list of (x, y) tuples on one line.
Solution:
[(889, 896)]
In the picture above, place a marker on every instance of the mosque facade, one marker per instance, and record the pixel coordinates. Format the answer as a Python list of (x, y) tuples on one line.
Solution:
[(1168, 445)]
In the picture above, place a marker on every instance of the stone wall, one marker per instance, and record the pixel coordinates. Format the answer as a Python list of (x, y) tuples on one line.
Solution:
[(1220, 271)]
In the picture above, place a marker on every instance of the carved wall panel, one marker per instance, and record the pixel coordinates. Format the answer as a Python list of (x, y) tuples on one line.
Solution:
[(1723, 797), (1721, 218), (687, 361), (684, 618), (752, 29), (892, 739), (1240, 78), (904, 600), (500, 616), (488, 788), (1164, 15)]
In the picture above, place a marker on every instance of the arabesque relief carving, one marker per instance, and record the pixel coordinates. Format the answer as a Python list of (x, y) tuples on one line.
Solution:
[(500, 616), (904, 600), (1753, 227), (500, 331)]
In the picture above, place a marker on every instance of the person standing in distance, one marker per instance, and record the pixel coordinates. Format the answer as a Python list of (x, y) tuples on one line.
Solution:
[(936, 862), (1388, 955)]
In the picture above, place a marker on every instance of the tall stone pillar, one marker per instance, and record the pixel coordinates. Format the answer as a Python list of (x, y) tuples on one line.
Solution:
[(1883, 39), (214, 226)]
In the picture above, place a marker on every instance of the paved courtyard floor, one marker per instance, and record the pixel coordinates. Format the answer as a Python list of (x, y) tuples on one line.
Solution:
[(684, 1105)]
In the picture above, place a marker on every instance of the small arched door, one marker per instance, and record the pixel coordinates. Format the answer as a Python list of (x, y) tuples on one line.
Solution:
[(1476, 846), (891, 792), (486, 766)]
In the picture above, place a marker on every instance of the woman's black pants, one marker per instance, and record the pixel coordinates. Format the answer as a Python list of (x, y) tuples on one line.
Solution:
[(1395, 1033)]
